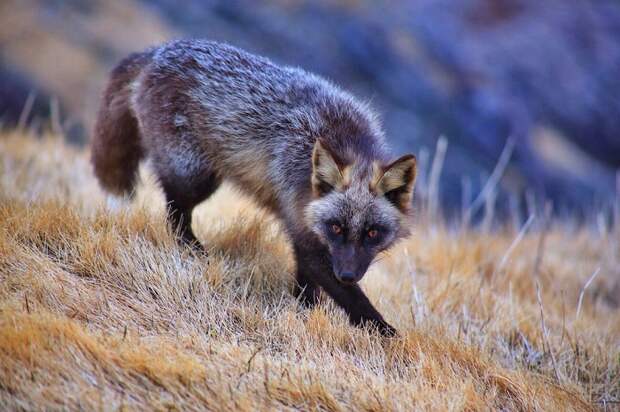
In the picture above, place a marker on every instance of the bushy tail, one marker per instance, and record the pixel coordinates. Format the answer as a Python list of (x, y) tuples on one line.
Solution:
[(116, 147)]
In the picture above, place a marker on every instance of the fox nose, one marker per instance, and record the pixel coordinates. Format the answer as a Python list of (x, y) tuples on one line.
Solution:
[(347, 277)]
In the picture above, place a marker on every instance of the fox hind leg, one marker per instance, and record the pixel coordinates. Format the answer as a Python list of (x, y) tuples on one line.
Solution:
[(185, 186), (182, 197)]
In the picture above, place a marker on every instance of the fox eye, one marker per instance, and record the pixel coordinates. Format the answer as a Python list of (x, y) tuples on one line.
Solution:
[(336, 229), (373, 235)]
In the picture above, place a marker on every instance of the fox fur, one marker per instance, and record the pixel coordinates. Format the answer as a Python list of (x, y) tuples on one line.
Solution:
[(205, 112)]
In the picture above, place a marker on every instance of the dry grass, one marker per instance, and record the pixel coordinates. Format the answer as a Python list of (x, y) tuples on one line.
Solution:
[(101, 309)]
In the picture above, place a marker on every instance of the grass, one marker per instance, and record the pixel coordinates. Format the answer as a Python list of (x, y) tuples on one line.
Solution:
[(101, 309)]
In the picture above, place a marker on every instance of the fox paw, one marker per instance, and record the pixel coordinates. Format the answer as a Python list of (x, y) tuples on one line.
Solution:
[(384, 328)]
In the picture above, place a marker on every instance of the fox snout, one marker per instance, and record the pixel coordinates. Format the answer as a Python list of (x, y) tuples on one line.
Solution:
[(349, 274), (349, 264), (349, 278)]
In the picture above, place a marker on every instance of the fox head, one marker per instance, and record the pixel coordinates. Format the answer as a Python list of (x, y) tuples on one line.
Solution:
[(359, 208)]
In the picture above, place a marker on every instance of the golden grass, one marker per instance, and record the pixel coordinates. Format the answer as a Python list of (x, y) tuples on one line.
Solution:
[(100, 309)]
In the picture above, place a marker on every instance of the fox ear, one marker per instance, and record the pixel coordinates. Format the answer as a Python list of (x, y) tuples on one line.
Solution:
[(327, 173), (397, 181)]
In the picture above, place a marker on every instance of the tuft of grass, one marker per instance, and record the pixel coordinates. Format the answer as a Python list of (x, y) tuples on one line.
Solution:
[(101, 309)]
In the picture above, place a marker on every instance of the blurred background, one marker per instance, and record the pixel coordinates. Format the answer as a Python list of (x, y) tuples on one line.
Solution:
[(480, 73)]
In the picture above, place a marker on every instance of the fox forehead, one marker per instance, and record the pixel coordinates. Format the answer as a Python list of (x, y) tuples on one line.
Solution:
[(361, 208), (356, 207)]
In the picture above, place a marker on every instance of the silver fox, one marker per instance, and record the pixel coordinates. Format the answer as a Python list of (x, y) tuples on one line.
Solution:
[(206, 112)]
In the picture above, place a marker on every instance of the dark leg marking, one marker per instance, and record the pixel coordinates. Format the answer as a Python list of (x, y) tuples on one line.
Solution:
[(306, 290), (313, 264), (183, 195)]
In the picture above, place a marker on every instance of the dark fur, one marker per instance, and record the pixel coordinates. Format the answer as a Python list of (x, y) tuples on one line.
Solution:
[(204, 112), (116, 148)]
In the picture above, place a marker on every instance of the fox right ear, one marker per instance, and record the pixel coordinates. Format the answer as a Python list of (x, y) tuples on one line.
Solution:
[(397, 180), (327, 173)]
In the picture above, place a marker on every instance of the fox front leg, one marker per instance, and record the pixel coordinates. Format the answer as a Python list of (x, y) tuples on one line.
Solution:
[(313, 264), (306, 290)]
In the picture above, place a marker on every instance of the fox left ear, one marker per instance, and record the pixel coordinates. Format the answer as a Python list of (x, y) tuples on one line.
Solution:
[(327, 172), (397, 181)]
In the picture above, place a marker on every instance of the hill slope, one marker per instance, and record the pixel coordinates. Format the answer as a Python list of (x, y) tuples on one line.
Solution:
[(100, 309)]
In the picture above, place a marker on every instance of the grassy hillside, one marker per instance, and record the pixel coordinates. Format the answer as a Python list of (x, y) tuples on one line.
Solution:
[(100, 309)]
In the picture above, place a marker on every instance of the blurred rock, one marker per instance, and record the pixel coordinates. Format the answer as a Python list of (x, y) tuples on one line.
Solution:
[(475, 71)]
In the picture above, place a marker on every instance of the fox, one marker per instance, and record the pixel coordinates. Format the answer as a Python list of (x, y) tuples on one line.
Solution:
[(204, 112)]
